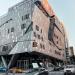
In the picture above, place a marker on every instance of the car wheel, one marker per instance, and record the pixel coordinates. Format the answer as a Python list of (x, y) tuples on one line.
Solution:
[(68, 73), (64, 73), (73, 73)]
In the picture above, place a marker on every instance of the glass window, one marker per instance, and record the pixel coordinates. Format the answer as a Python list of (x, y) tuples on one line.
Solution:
[(37, 28), (23, 26), (34, 34), (22, 18), (70, 66), (57, 37), (34, 44), (42, 38), (43, 47), (5, 48), (25, 17), (12, 29), (57, 42), (40, 45), (38, 36), (41, 30), (6, 21), (8, 30)]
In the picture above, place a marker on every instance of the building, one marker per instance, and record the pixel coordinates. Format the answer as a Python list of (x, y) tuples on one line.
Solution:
[(71, 55), (31, 31), (71, 51), (67, 57)]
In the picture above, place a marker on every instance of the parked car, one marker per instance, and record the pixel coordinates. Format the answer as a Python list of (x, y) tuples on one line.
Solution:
[(69, 69), (3, 69), (50, 67), (16, 70), (58, 68), (37, 70)]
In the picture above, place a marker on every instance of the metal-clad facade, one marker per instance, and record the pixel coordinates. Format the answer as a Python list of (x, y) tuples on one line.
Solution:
[(14, 19), (17, 39)]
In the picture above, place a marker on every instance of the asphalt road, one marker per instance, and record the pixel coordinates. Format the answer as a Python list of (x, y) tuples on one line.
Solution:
[(56, 73), (50, 73)]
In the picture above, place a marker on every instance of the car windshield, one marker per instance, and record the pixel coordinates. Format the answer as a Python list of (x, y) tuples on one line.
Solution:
[(70, 66), (50, 65)]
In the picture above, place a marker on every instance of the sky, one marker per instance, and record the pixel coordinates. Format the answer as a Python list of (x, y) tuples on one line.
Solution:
[(64, 9)]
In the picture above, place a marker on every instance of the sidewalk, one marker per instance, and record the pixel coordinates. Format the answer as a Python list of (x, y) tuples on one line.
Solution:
[(2, 73)]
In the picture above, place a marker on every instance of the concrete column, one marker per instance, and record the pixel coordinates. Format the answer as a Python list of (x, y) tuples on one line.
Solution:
[(12, 58), (4, 61)]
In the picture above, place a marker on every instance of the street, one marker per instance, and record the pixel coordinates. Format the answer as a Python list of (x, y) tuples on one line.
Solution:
[(56, 73), (50, 73)]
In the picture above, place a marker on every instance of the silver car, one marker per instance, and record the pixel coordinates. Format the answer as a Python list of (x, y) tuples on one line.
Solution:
[(69, 69), (50, 67)]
